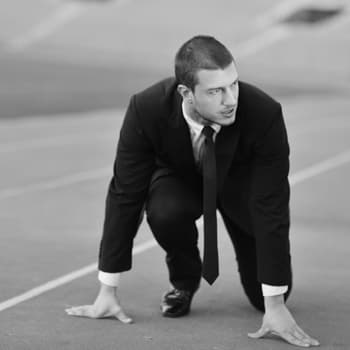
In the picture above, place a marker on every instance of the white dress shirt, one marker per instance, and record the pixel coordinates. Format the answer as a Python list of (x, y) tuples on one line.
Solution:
[(112, 279)]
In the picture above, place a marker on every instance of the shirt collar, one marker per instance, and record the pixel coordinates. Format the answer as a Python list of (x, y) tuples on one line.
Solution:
[(194, 125)]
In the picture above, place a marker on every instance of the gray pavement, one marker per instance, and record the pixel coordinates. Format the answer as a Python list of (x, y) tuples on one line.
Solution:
[(62, 104)]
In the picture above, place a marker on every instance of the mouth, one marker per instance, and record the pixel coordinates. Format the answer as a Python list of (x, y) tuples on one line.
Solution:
[(228, 112)]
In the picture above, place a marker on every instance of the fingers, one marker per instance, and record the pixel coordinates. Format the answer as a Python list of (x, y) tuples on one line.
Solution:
[(120, 315), (260, 333), (90, 311), (292, 339), (297, 337), (312, 341), (80, 311)]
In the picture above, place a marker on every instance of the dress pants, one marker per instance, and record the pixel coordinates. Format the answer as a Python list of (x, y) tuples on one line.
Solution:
[(172, 208)]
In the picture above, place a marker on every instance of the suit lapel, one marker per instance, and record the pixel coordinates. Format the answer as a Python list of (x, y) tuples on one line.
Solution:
[(225, 148), (179, 145)]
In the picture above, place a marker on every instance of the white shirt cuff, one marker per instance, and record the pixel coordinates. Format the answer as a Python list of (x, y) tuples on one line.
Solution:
[(110, 279), (269, 291)]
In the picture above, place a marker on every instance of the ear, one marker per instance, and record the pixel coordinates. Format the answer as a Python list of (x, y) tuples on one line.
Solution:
[(185, 92)]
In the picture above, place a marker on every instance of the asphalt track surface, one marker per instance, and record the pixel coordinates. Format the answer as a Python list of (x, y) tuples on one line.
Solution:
[(63, 89)]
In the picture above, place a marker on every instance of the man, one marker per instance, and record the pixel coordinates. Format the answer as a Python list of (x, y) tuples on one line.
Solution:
[(200, 142)]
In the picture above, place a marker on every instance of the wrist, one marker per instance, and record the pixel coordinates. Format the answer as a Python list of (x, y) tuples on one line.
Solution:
[(274, 302), (107, 290)]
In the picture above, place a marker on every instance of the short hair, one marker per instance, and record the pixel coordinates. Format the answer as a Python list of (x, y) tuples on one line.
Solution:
[(200, 52)]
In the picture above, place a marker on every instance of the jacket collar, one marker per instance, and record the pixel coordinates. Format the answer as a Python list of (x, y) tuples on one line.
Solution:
[(180, 146)]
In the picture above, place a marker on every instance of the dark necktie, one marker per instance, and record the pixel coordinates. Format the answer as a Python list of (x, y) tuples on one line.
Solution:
[(210, 257)]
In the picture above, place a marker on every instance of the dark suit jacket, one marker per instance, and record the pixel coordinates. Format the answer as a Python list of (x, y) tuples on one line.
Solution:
[(252, 171)]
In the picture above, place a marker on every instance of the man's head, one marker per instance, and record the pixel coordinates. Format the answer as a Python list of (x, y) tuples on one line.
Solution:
[(207, 80)]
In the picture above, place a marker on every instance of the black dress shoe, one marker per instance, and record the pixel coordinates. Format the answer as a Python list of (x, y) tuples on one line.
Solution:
[(176, 303)]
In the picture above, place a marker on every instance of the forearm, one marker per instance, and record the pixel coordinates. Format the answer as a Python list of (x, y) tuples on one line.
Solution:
[(270, 204), (120, 227), (133, 168), (271, 222)]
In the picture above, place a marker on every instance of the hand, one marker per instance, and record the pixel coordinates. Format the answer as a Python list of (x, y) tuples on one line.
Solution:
[(106, 305), (279, 321)]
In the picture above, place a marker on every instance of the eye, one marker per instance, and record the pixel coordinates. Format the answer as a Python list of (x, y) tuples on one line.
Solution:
[(234, 84), (214, 91)]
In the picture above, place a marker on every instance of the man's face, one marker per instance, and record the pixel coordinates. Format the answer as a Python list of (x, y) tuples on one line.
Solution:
[(215, 96)]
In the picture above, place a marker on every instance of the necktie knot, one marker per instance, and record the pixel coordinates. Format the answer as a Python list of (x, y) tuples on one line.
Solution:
[(208, 132)]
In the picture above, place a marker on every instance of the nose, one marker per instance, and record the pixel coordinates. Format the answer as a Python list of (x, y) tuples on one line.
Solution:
[(229, 97)]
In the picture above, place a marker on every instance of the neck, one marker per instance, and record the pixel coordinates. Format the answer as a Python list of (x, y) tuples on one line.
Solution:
[(194, 115)]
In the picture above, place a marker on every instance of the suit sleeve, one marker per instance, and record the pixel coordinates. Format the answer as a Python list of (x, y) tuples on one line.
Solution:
[(133, 168), (270, 204)]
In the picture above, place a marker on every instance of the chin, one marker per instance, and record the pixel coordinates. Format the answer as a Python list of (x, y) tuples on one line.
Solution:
[(226, 121)]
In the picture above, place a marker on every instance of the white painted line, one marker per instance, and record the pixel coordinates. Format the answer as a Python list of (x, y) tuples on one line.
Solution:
[(56, 183), (32, 293), (24, 145), (296, 178), (52, 141), (280, 11), (272, 30), (319, 168), (100, 173), (63, 15), (89, 118), (320, 125), (285, 8), (262, 41)]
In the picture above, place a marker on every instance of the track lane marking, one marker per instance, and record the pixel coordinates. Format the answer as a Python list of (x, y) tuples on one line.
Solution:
[(285, 8), (56, 183), (261, 41), (60, 281), (318, 126), (64, 14), (328, 164), (52, 141), (295, 178), (321, 167)]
